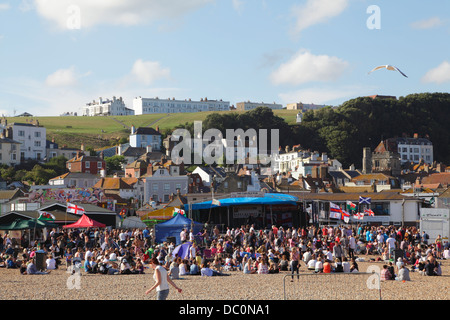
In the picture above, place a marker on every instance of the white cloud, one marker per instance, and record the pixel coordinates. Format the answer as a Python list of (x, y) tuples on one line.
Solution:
[(238, 5), (316, 11), (113, 12), (427, 23), (147, 72), (305, 67), (4, 6), (438, 75), (64, 78)]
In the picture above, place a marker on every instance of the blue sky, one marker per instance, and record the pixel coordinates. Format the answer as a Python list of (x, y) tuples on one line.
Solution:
[(57, 55)]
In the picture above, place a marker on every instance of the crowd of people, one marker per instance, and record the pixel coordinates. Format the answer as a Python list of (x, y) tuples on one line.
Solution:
[(246, 249)]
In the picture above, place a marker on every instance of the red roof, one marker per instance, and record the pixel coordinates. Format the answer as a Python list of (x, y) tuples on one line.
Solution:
[(85, 222)]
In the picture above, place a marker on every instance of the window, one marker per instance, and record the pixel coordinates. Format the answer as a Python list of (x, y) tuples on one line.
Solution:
[(21, 133), (37, 143), (155, 187), (99, 165), (87, 164), (166, 198), (166, 186), (37, 134)]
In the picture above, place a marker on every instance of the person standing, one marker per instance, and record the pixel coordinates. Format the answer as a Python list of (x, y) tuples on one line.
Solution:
[(162, 281), (295, 262)]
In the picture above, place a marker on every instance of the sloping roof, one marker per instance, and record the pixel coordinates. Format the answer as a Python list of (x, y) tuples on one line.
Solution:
[(372, 176), (134, 152), (112, 184), (445, 194), (352, 173), (443, 178), (147, 131), (10, 194), (76, 175), (83, 157), (8, 140)]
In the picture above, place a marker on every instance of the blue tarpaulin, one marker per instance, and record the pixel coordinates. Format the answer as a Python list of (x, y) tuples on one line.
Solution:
[(268, 199)]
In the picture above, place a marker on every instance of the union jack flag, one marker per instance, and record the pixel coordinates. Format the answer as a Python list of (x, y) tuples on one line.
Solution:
[(369, 212)]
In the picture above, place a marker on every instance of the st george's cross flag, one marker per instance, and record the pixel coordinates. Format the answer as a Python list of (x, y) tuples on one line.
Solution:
[(335, 211), (73, 208), (369, 212), (364, 200), (358, 216)]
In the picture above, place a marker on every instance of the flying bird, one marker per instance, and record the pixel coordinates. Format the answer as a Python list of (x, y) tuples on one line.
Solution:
[(389, 67)]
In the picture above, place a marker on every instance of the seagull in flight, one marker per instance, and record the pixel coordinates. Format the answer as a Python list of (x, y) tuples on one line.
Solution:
[(389, 67)]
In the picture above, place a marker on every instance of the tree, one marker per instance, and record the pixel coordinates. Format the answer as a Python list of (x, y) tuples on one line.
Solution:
[(114, 163)]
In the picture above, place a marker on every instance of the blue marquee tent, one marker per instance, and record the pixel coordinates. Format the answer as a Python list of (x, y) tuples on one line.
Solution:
[(173, 227)]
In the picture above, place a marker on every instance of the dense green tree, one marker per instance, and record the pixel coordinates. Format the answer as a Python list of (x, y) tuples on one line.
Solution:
[(114, 163)]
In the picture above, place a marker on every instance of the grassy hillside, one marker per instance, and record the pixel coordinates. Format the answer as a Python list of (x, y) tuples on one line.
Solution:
[(100, 132)]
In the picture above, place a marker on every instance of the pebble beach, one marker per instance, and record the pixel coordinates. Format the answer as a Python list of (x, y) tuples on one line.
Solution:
[(60, 285)]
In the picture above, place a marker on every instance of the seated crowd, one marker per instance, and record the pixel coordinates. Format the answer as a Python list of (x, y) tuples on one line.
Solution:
[(266, 251)]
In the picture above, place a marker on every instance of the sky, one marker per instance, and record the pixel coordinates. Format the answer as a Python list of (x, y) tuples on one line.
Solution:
[(58, 55)]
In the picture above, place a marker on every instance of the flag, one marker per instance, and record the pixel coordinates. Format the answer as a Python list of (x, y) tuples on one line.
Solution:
[(358, 216), (369, 212), (363, 200), (345, 216), (178, 211), (73, 208), (47, 216), (335, 211), (215, 202), (351, 205)]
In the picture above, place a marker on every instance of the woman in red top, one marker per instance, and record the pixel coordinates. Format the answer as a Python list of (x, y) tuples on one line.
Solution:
[(327, 266)]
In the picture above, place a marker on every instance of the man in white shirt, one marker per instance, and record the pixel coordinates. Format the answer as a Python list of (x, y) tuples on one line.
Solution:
[(183, 235), (391, 243), (351, 246), (88, 254), (122, 238)]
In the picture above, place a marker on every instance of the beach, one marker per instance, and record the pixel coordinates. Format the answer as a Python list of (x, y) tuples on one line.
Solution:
[(60, 285)]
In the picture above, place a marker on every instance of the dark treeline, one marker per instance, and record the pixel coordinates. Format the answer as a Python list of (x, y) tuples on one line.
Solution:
[(344, 131)]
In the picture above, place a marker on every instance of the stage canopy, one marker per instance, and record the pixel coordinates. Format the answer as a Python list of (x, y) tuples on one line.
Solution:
[(267, 199), (85, 222)]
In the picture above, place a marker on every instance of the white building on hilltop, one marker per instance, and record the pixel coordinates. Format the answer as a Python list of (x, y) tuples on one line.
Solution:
[(246, 106), (114, 107), (156, 105)]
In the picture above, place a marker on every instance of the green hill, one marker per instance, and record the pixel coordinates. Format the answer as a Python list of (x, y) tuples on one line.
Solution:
[(101, 132)]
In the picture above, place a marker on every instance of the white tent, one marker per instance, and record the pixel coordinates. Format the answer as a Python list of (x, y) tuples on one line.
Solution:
[(133, 223)]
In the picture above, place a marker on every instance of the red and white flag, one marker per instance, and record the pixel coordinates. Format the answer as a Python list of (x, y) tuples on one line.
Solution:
[(369, 212), (335, 211), (73, 208), (345, 216), (358, 216)]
